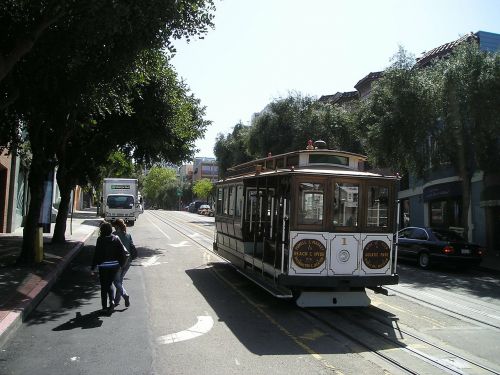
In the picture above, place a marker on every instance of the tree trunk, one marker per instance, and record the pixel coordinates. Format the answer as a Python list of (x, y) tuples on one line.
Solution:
[(35, 182), (62, 214)]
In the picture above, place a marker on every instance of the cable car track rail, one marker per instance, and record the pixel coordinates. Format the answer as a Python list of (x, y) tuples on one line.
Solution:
[(429, 359), (450, 312), (208, 248), (372, 315)]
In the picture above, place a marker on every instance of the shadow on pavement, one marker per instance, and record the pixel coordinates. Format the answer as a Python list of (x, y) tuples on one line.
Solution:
[(255, 317), (74, 289), (87, 321), (474, 281), (94, 222)]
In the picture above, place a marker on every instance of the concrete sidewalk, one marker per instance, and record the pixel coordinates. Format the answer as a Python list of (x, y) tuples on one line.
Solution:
[(22, 288)]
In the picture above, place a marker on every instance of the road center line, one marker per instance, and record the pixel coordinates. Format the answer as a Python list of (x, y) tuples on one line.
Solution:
[(157, 227)]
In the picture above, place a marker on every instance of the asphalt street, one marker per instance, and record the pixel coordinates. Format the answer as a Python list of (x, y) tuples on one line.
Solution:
[(192, 313)]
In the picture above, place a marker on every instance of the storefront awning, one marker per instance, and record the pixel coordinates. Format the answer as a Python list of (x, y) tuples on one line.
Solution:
[(440, 191)]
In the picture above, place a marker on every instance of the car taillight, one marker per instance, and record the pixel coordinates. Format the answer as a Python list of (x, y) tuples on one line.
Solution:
[(448, 249), (481, 252)]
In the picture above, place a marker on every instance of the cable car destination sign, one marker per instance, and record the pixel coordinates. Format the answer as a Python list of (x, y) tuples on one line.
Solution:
[(309, 254)]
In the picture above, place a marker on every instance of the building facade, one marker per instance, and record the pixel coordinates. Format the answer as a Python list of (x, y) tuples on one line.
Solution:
[(436, 200), (205, 168)]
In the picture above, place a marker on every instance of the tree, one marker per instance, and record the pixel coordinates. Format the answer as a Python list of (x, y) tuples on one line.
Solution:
[(417, 120), (399, 117), (203, 188), (288, 123), (79, 67), (231, 150), (470, 108), (285, 125), (160, 187), (163, 122), (22, 23)]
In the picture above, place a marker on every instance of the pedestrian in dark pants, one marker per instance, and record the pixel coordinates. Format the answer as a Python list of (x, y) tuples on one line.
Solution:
[(109, 256), (126, 238)]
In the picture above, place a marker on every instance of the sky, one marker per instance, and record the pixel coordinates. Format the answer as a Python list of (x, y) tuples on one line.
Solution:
[(263, 50)]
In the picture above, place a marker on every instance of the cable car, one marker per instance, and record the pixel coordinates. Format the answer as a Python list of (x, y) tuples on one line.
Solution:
[(312, 225)]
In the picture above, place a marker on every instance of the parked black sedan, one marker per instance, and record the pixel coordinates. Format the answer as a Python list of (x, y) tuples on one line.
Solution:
[(437, 246)]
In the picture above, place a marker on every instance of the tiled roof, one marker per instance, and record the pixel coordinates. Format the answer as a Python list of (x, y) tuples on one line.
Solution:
[(444, 49), (339, 97), (370, 77)]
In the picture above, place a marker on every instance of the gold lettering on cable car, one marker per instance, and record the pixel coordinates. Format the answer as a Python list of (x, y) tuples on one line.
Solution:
[(376, 254), (309, 254)]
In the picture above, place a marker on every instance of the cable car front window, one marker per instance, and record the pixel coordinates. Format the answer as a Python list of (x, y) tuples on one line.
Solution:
[(378, 206), (310, 203), (345, 205)]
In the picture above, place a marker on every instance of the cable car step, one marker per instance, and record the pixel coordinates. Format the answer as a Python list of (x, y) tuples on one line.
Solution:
[(333, 299), (267, 285)]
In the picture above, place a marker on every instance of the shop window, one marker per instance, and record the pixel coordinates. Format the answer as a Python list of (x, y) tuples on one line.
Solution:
[(446, 213)]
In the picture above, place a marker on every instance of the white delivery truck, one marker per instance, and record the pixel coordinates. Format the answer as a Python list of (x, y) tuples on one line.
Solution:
[(121, 199)]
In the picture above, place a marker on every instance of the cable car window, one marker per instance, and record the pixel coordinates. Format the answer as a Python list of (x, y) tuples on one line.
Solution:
[(280, 163), (251, 206), (378, 206), (239, 201), (231, 200), (310, 203), (328, 159), (345, 205), (219, 201), (226, 200)]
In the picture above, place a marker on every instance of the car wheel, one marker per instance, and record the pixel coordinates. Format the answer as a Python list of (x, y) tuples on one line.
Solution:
[(424, 260)]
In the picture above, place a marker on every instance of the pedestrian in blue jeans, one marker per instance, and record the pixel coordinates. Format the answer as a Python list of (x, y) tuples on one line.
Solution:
[(109, 256), (126, 238)]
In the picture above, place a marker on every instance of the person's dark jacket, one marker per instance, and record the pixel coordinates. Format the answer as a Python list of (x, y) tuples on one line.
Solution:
[(109, 252)]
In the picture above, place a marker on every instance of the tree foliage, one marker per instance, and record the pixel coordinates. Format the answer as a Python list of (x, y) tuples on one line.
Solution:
[(88, 66), (203, 188), (399, 118), (285, 125), (417, 120), (232, 149), (160, 187)]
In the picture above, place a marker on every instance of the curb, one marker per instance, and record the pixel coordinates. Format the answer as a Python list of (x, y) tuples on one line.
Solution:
[(37, 290)]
